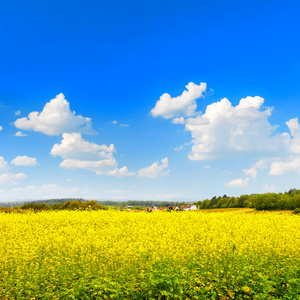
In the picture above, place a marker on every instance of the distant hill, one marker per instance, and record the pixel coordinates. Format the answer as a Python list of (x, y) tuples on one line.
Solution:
[(48, 202), (139, 204)]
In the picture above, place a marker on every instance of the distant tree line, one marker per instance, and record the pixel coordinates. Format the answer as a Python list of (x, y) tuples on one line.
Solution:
[(68, 205), (48, 202), (268, 201), (81, 204)]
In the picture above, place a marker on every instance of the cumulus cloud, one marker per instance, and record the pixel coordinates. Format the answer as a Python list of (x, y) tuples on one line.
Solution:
[(120, 172), (294, 128), (20, 133), (281, 167), (56, 118), (3, 163), (1, 128), (251, 172), (185, 104), (9, 178), (74, 146), (80, 154), (155, 170), (17, 113), (24, 161), (225, 131), (178, 120), (238, 182), (292, 163)]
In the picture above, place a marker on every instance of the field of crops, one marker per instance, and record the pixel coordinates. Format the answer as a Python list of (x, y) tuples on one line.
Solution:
[(159, 255)]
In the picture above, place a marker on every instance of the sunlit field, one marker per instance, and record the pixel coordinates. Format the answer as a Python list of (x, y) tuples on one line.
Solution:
[(159, 255)]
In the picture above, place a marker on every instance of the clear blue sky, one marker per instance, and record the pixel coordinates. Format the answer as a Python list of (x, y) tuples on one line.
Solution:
[(161, 100)]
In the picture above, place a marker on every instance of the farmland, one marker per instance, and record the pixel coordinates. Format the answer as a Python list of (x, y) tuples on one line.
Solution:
[(110, 254)]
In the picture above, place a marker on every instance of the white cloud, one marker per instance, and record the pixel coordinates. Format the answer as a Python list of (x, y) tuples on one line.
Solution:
[(17, 113), (20, 133), (120, 172), (46, 191), (238, 182), (80, 154), (24, 161), (9, 178), (178, 120), (99, 166), (281, 167), (225, 131), (3, 163), (261, 164), (122, 124), (74, 146), (1, 128), (294, 128), (155, 170), (178, 148), (251, 172), (181, 147), (206, 167), (269, 188), (185, 104), (56, 118)]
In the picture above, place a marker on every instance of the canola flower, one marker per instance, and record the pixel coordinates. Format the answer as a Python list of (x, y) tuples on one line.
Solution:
[(160, 255)]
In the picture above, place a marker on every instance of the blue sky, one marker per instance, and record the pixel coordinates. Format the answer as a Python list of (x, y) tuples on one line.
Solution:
[(161, 100)]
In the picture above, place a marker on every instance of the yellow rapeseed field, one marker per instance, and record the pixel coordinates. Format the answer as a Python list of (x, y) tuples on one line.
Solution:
[(140, 255)]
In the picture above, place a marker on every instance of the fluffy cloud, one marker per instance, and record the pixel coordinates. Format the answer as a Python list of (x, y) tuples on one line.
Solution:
[(3, 163), (24, 161), (155, 170), (226, 131), (17, 113), (178, 120), (293, 163), (120, 172), (251, 172), (20, 133), (281, 167), (56, 118), (9, 178), (238, 182), (185, 104), (80, 154), (1, 128), (74, 146)]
